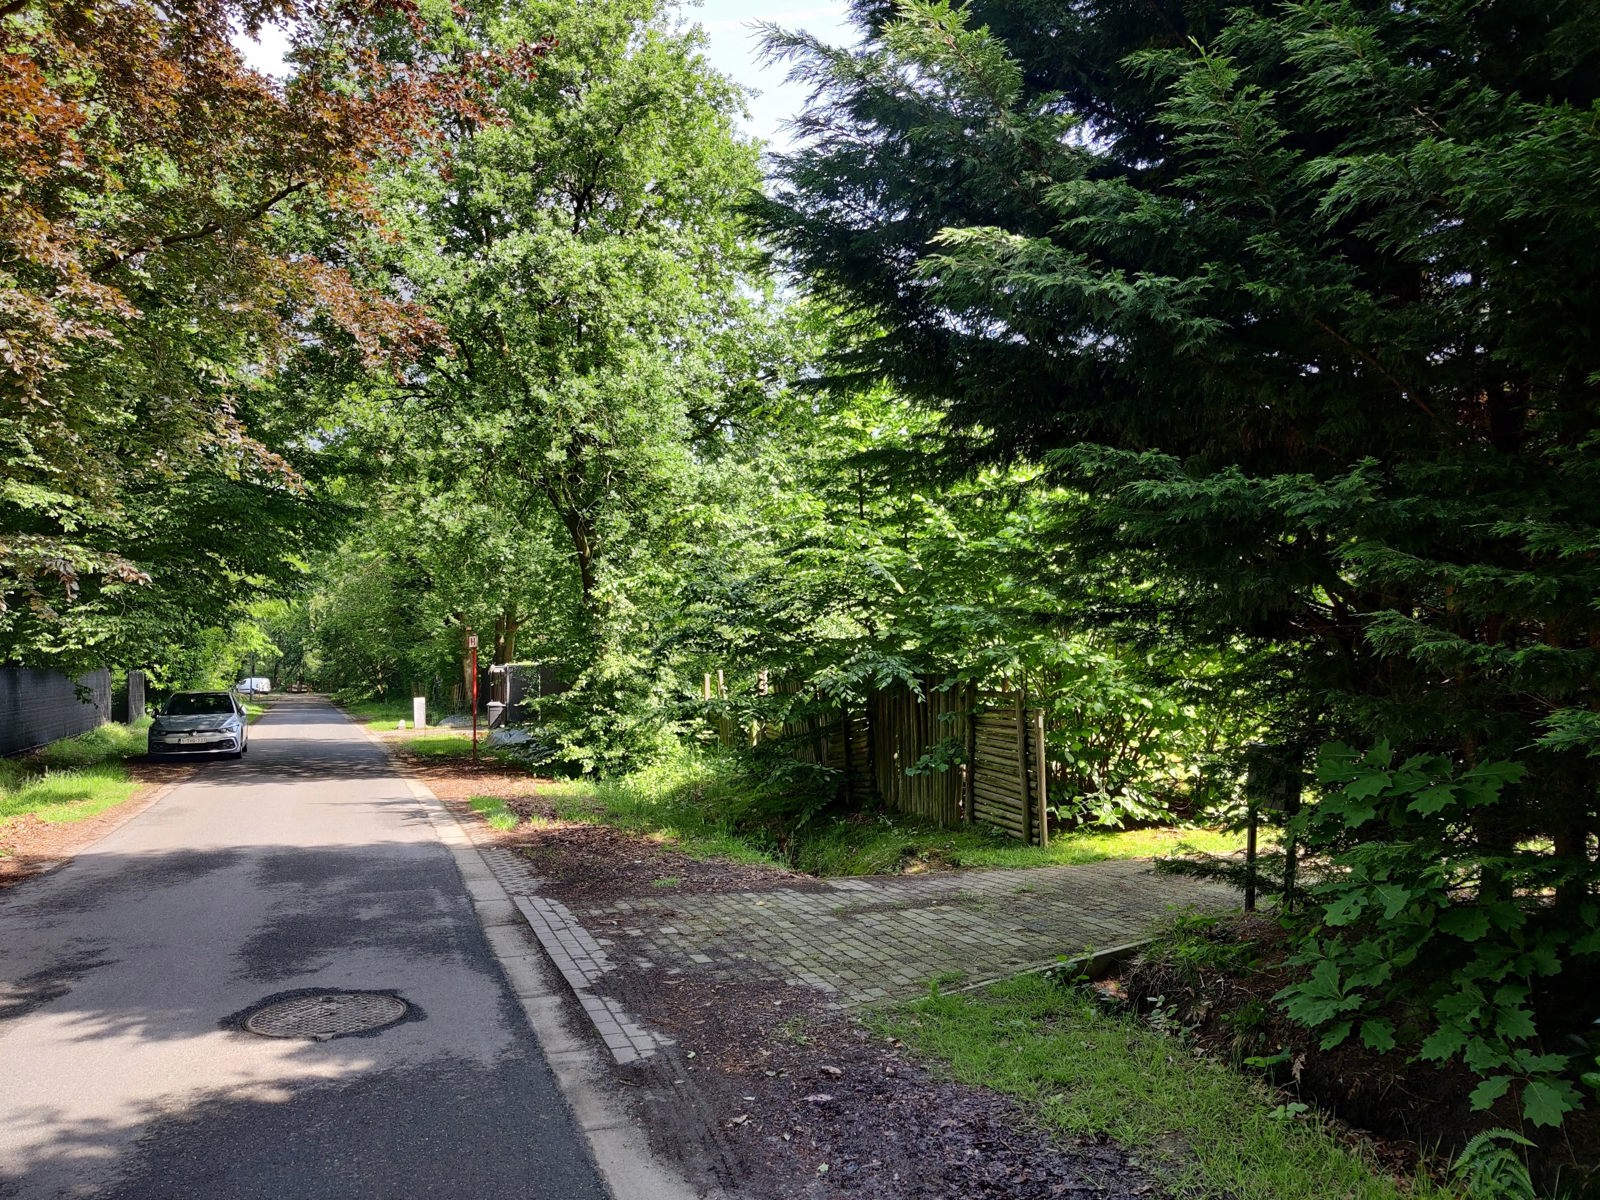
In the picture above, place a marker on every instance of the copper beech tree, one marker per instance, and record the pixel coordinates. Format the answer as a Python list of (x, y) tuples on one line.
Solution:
[(152, 289)]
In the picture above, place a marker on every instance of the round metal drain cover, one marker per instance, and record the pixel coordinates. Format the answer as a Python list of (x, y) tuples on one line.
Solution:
[(325, 1015)]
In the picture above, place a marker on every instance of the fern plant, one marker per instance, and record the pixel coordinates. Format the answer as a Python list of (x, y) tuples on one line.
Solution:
[(1490, 1168)]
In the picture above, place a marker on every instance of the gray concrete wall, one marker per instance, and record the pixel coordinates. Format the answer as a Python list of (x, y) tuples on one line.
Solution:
[(39, 707)]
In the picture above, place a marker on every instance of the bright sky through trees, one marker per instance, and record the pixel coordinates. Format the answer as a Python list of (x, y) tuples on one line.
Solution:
[(734, 50)]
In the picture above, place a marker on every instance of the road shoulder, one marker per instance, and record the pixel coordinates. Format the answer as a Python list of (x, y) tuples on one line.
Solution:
[(30, 847), (619, 1145)]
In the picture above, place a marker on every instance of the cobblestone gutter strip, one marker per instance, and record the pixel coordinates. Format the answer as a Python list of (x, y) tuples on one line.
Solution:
[(582, 962), (621, 1150)]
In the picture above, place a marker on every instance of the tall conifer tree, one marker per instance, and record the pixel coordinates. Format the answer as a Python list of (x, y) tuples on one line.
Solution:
[(1304, 301)]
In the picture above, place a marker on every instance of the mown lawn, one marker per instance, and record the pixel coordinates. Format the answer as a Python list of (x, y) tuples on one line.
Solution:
[(446, 745), (75, 778), (1081, 1071)]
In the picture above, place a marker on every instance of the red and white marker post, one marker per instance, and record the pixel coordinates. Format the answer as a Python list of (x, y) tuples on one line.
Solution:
[(472, 645)]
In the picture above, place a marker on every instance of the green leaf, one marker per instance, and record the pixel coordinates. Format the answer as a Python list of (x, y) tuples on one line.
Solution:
[(1335, 1034), (1530, 1063), (1357, 815), (1443, 1043), (1345, 909), (1468, 924), (1366, 786), (1515, 1024), (1394, 898), (1320, 998), (1490, 1090), (1378, 1035), (1484, 1055), (1336, 763), (1433, 799), (1546, 1101), (1467, 1002)]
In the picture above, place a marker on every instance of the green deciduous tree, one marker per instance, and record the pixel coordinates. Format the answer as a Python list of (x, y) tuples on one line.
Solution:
[(151, 473), (582, 262)]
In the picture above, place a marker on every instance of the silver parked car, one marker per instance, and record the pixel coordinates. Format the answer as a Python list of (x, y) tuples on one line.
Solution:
[(200, 723)]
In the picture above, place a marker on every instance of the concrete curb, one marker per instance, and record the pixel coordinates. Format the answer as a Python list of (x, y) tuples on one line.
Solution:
[(621, 1151)]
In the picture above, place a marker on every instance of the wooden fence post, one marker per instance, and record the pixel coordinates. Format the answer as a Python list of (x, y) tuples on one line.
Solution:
[(1043, 764), (970, 698), (1019, 710)]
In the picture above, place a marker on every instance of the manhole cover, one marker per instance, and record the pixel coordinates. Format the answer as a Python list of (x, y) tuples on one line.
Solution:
[(325, 1015)]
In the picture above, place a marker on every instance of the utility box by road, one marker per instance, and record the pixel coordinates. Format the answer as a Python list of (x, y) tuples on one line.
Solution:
[(512, 685)]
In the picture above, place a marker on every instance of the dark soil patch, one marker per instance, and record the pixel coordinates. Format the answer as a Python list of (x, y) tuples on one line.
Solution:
[(452, 779), (597, 862), (1410, 1110), (579, 860), (771, 1095)]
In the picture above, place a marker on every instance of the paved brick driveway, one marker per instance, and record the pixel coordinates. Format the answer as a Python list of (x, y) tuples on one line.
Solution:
[(861, 940), (877, 939)]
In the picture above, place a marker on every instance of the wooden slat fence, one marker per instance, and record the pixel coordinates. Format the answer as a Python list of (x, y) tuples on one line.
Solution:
[(905, 727), (995, 776)]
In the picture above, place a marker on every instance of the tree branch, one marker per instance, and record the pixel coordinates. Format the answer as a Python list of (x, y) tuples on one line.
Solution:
[(209, 229)]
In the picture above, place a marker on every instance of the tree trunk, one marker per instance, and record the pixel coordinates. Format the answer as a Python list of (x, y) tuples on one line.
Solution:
[(466, 668), (583, 548), (506, 627)]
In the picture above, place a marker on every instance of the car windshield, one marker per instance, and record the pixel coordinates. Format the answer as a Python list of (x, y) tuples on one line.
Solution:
[(198, 704)]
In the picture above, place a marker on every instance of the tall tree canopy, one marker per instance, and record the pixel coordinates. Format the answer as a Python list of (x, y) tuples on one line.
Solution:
[(150, 293), (1303, 301), (582, 262)]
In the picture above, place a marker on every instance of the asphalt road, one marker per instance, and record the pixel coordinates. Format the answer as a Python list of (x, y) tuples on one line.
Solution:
[(308, 865)]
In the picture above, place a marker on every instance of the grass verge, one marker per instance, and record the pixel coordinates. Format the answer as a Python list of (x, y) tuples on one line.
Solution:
[(446, 745), (668, 803), (1209, 1131), (494, 811), (384, 716), (895, 844), (704, 806), (73, 779), (380, 716)]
